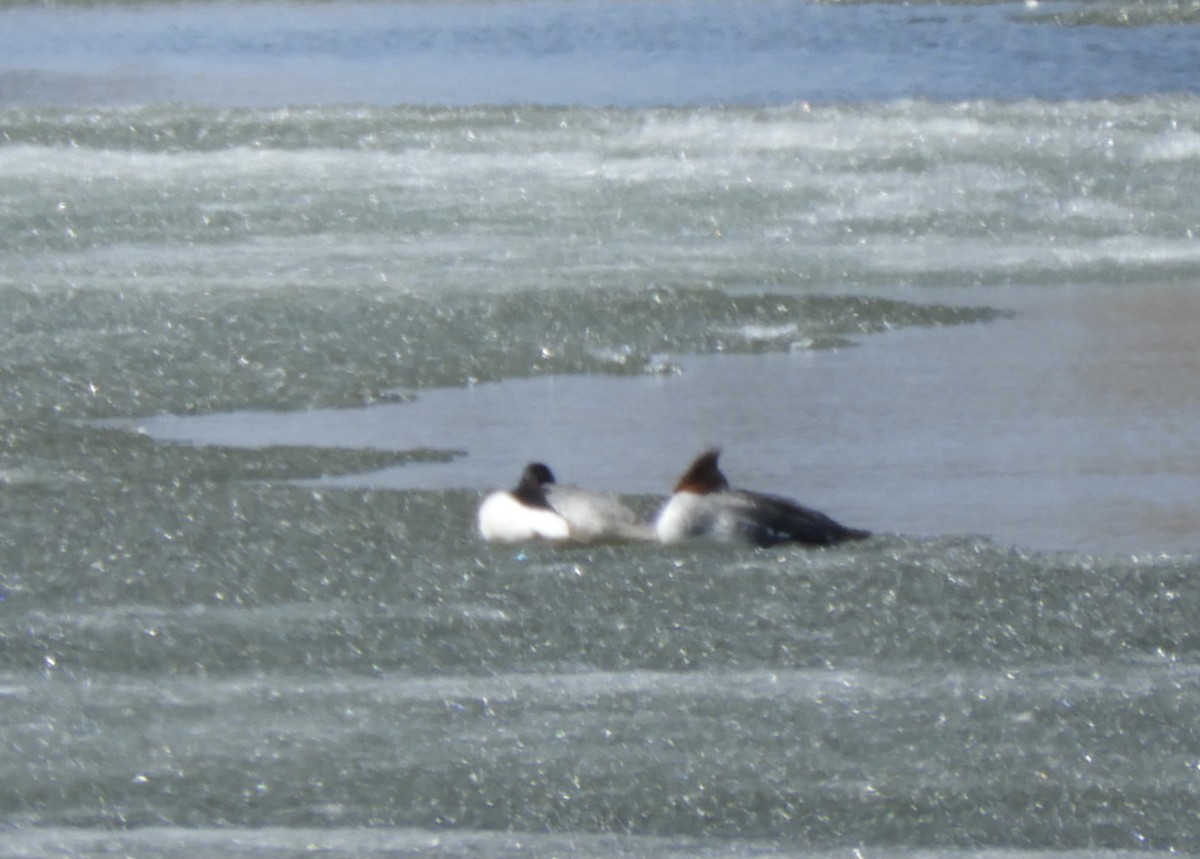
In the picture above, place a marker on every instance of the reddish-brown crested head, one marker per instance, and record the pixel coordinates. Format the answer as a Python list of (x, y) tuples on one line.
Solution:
[(703, 476)]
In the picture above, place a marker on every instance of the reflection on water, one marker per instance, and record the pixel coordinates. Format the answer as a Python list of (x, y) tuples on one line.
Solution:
[(1149, 339), (1066, 427)]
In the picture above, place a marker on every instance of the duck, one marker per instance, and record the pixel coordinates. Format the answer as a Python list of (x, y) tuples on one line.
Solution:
[(540, 508), (704, 505)]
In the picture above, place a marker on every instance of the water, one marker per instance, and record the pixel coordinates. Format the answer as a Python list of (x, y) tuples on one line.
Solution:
[(285, 287), (587, 52)]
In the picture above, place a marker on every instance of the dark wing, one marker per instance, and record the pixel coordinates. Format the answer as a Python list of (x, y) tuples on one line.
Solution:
[(770, 519)]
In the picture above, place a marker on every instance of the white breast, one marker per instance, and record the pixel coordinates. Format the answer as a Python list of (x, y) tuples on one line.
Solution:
[(504, 519), (687, 514)]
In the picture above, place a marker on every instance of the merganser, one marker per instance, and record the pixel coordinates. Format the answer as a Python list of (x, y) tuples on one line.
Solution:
[(704, 505), (541, 509)]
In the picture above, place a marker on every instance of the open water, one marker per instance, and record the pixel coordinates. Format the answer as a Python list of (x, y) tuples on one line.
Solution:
[(285, 287)]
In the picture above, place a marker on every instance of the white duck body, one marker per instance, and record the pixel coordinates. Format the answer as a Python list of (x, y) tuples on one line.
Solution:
[(504, 518), (541, 509), (688, 514), (703, 505)]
